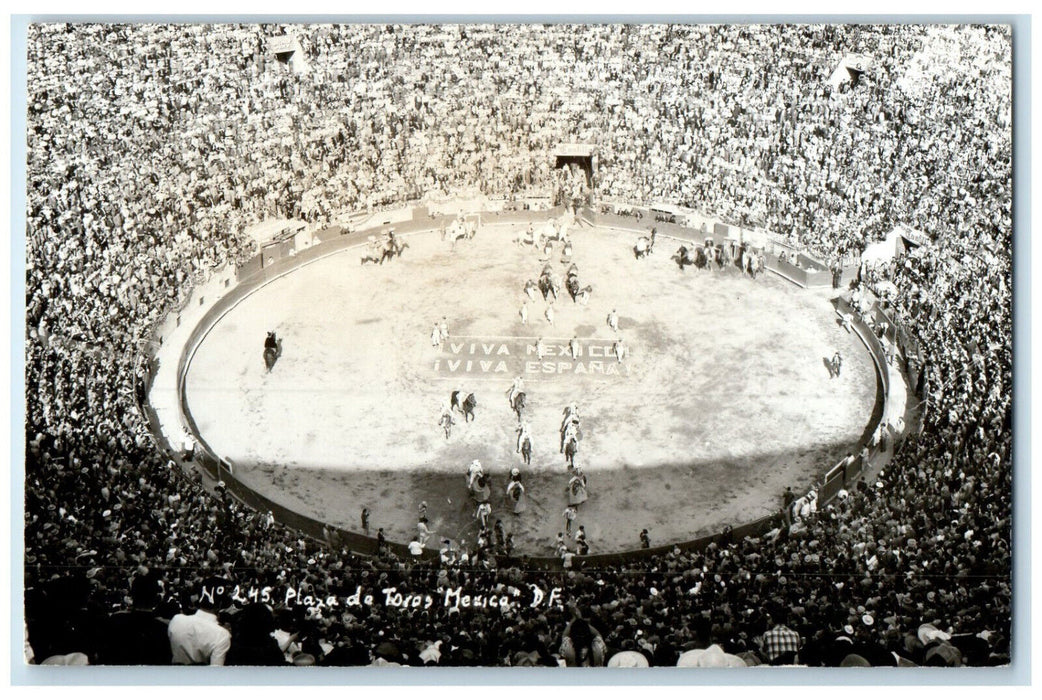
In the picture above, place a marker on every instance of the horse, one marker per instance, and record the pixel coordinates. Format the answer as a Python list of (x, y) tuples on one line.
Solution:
[(516, 497), (645, 246), (373, 253), (726, 256), (566, 253), (272, 354), (460, 230), (481, 489), (392, 249), (577, 493), (570, 448), (684, 257), (468, 407), (712, 255), (465, 403), (547, 285), (518, 404), (528, 238), (573, 286)]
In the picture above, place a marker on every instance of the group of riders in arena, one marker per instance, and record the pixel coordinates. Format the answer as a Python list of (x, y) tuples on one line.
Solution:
[(709, 256)]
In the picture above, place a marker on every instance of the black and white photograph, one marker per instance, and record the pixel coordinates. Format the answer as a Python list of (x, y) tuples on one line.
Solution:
[(497, 344)]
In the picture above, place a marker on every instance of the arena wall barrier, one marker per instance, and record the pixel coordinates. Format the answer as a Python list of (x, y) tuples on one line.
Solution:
[(334, 239)]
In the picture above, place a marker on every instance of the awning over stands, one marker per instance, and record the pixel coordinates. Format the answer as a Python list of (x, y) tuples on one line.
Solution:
[(849, 69), (897, 242)]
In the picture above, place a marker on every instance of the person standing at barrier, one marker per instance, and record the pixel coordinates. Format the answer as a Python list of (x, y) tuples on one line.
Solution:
[(188, 446), (788, 498), (645, 539), (498, 534), (365, 521), (582, 546), (423, 531)]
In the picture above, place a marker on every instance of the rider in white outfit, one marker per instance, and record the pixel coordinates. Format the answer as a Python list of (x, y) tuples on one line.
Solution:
[(516, 388)]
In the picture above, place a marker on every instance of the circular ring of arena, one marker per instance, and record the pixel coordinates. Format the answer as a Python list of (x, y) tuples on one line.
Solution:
[(428, 375)]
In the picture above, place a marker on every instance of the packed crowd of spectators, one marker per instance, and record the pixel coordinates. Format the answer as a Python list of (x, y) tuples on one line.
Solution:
[(213, 134)]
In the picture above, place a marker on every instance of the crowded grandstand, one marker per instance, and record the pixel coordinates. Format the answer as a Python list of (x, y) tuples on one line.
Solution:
[(153, 148)]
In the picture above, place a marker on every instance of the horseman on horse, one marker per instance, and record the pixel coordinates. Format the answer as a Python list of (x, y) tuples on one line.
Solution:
[(645, 246), (460, 229), (272, 349), (392, 248), (548, 284), (373, 252), (685, 256), (572, 283), (518, 403)]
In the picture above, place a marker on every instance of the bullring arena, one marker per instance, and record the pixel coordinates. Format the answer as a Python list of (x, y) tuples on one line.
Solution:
[(723, 399)]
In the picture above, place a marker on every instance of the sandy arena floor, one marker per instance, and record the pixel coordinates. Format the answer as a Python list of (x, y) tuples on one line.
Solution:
[(723, 402)]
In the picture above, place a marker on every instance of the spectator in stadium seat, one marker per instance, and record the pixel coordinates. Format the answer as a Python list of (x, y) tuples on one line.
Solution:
[(581, 644), (137, 637), (252, 640), (780, 644), (199, 639)]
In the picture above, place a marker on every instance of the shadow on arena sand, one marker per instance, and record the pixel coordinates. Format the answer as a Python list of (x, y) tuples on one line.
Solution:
[(675, 502)]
